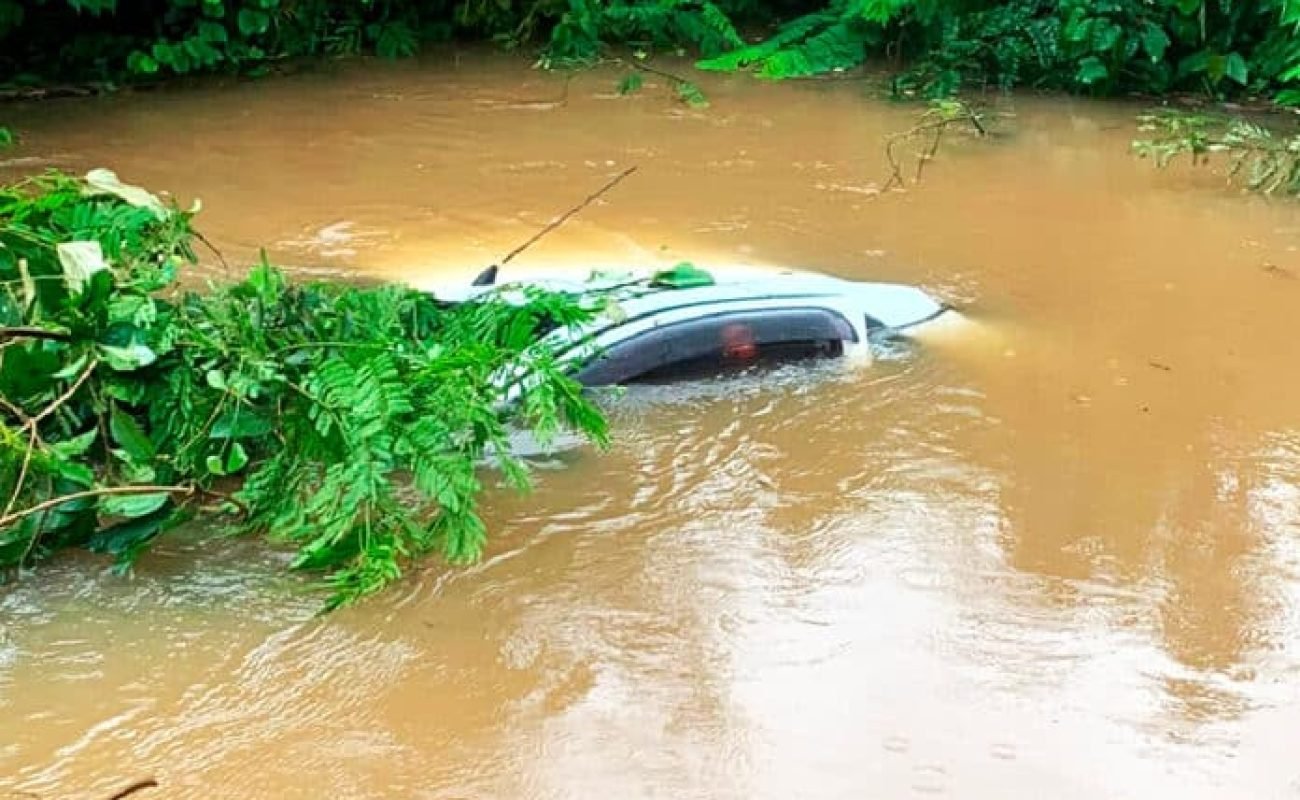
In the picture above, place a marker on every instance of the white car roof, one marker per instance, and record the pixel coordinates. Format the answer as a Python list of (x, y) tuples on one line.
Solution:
[(892, 305)]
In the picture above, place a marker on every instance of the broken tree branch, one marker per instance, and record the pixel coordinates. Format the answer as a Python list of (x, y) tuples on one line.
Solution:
[(65, 397), (9, 519), (7, 334)]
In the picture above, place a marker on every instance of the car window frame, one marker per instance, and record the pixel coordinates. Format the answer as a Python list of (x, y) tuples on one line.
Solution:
[(842, 327)]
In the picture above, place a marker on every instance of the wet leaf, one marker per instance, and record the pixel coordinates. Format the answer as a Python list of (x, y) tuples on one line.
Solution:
[(127, 537), (80, 260), (1235, 68), (73, 368), (75, 446), (105, 181), (237, 459), (239, 423), (1091, 70), (1154, 41), (683, 276), (127, 433), (132, 505), (129, 358), (253, 22)]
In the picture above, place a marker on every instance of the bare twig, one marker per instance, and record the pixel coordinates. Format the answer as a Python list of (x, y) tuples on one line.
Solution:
[(32, 333), (22, 472), (9, 519), (896, 175), (144, 783), (929, 154), (32, 426), (17, 412), (656, 71), (563, 218), (220, 258), (930, 123), (229, 498), (65, 397)]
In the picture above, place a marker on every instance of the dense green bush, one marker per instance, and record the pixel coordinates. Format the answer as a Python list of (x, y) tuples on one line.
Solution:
[(349, 422), (1097, 46)]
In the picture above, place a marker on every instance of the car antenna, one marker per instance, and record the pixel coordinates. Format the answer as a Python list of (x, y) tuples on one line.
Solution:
[(489, 276)]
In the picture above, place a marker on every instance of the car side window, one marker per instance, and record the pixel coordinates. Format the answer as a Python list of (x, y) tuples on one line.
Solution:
[(734, 337)]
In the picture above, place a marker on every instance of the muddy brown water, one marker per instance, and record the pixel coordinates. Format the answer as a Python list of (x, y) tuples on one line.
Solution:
[(1054, 554)]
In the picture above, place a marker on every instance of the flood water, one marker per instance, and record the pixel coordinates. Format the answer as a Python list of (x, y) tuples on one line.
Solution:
[(1053, 555)]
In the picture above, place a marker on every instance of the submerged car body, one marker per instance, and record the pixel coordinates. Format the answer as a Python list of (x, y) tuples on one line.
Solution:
[(653, 325)]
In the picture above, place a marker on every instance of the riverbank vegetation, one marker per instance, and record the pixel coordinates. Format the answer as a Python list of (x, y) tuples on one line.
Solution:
[(348, 422), (933, 47)]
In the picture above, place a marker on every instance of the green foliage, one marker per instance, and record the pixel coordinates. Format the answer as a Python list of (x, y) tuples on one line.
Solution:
[(116, 41), (7, 138), (582, 31), (1266, 163), (349, 422), (1109, 47), (1100, 47)]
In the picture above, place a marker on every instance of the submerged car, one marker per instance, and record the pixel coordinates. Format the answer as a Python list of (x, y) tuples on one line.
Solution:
[(692, 321)]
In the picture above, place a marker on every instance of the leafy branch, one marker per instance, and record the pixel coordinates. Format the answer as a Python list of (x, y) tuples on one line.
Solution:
[(348, 422), (11, 518), (1268, 164)]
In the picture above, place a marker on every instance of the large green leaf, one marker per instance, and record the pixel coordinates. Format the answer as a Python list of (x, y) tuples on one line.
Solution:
[(132, 505), (1154, 41), (253, 22), (1091, 70), (126, 538), (76, 446), (240, 423), (1235, 69), (127, 433)]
